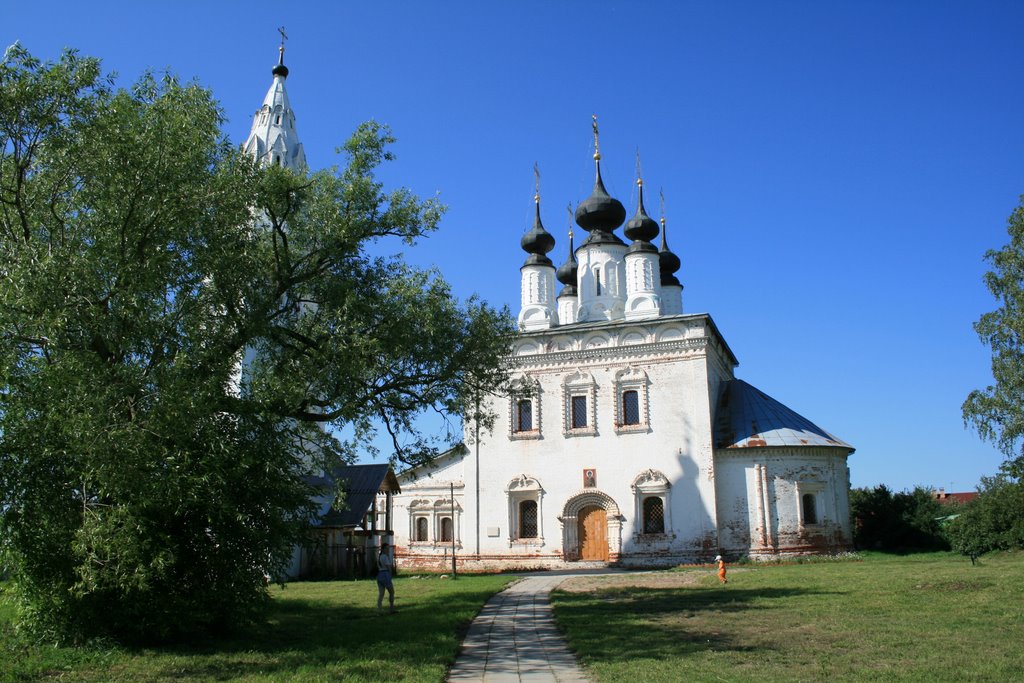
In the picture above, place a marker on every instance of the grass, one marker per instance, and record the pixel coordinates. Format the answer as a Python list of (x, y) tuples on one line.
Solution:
[(327, 631), (908, 618)]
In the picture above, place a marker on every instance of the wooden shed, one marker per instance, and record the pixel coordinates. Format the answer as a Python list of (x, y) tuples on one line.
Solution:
[(344, 543)]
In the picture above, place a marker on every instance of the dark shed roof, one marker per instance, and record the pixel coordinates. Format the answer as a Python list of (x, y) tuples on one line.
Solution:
[(750, 418), (361, 484)]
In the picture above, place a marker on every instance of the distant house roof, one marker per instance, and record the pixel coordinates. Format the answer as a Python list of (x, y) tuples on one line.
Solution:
[(947, 498), (361, 484), (750, 418)]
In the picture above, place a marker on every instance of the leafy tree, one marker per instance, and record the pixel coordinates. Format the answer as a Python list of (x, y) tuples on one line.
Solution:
[(906, 520), (991, 521), (997, 411), (150, 478)]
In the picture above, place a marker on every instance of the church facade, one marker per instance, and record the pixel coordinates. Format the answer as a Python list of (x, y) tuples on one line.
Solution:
[(627, 438)]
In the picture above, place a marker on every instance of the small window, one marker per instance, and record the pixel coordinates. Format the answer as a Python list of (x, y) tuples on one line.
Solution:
[(446, 529), (654, 515), (630, 407), (810, 509), (277, 120), (528, 519), (579, 412), (524, 416), (597, 281), (421, 529)]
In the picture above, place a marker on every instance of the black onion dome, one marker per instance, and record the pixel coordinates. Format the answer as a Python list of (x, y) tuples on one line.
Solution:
[(668, 263), (600, 211), (567, 272), (538, 241), (280, 70), (641, 226)]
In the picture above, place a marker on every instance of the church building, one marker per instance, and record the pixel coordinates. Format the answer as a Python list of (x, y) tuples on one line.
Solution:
[(627, 437)]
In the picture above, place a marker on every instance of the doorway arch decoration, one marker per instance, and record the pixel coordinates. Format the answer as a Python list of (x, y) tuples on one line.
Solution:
[(570, 518)]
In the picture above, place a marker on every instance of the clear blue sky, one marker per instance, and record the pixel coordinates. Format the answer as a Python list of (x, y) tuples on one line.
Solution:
[(833, 171)]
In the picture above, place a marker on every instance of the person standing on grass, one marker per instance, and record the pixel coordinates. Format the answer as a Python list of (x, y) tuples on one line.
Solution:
[(721, 568), (385, 565)]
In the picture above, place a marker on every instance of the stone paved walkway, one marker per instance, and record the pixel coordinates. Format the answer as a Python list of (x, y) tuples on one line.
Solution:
[(514, 637)]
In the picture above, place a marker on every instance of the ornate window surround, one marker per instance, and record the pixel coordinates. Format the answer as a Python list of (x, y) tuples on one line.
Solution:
[(528, 389), (651, 483), (442, 509), (433, 513), (524, 487), (420, 509), (579, 384), (632, 379)]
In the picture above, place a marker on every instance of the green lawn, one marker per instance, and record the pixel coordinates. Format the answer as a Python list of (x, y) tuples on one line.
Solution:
[(916, 617), (327, 631), (928, 617)]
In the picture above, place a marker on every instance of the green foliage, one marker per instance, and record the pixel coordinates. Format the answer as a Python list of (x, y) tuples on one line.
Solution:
[(907, 520), (150, 479), (997, 411), (994, 520)]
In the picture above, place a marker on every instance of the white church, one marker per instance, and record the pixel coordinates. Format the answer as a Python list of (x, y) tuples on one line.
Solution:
[(628, 439)]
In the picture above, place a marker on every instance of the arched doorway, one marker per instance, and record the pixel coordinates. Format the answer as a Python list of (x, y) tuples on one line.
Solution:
[(593, 534), (591, 527)]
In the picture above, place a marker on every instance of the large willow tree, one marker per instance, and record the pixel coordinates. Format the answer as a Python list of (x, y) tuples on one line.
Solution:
[(181, 335)]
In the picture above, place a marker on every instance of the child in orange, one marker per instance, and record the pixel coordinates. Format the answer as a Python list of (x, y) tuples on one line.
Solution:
[(721, 568)]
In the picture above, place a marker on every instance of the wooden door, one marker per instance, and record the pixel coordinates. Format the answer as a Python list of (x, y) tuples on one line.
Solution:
[(593, 530)]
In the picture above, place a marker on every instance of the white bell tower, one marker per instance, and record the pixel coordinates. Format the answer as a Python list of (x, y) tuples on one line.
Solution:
[(273, 139)]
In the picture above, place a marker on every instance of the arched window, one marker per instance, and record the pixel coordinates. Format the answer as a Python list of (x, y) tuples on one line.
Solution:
[(630, 407), (528, 519), (654, 515), (810, 509), (524, 415), (421, 529), (525, 519), (446, 529), (653, 507)]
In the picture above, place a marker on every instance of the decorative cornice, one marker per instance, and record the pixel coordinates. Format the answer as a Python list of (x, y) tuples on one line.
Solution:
[(557, 359), (614, 328)]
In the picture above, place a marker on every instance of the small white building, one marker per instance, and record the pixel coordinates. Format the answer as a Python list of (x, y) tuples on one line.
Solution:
[(628, 440)]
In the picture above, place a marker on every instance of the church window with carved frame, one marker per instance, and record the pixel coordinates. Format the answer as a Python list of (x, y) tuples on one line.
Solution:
[(651, 489), (632, 401), (524, 409), (579, 404), (525, 499)]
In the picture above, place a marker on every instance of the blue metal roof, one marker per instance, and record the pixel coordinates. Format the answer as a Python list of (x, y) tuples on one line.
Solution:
[(750, 418)]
